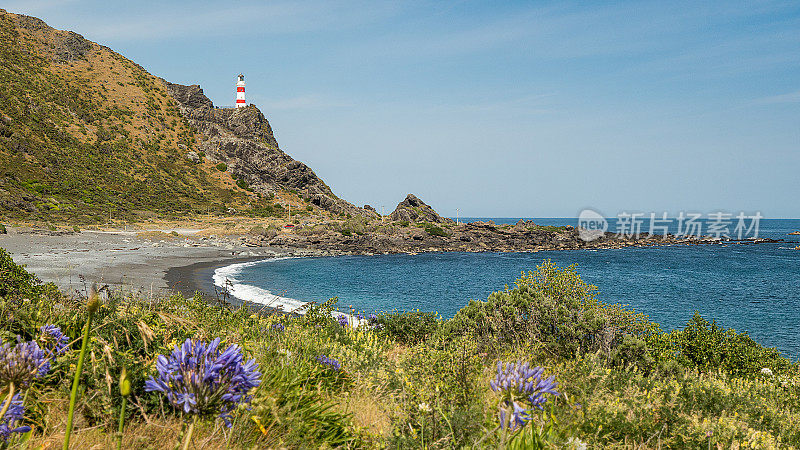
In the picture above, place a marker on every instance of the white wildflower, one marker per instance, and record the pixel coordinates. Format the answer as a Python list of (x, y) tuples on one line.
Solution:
[(576, 444)]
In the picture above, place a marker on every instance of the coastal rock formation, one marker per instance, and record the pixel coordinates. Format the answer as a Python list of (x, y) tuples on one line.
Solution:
[(413, 209), (357, 236), (242, 138)]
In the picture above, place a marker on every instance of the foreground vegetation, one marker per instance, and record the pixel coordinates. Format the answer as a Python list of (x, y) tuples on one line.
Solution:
[(405, 380)]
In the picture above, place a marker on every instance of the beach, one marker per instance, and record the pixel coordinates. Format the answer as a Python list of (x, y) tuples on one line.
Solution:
[(142, 262)]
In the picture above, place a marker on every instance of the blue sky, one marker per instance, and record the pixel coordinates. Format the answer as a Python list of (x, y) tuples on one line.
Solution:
[(521, 109)]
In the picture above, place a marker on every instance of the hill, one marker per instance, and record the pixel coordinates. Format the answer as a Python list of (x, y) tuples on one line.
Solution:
[(86, 133)]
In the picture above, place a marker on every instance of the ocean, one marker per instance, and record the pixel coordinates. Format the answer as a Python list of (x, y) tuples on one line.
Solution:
[(753, 288)]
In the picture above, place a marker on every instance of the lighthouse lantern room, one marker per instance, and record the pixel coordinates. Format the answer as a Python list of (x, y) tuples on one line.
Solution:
[(240, 92)]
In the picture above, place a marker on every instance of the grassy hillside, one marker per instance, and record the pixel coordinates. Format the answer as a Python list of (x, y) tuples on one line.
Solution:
[(408, 380), (85, 133)]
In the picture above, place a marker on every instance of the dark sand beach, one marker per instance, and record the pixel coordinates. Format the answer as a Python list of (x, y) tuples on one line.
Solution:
[(128, 261)]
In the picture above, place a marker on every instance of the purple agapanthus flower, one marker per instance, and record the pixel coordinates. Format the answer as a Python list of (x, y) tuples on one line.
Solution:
[(8, 423), (519, 383), (342, 319), (21, 363), (53, 339), (330, 362), (373, 319), (278, 327), (360, 317), (199, 378)]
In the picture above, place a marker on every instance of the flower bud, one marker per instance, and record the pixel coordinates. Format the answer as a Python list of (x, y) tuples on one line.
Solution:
[(94, 300), (124, 383)]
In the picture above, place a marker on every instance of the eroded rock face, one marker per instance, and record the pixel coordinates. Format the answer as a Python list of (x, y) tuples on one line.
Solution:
[(242, 138), (413, 209)]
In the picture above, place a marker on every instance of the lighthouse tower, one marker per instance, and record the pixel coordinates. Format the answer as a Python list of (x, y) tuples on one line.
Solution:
[(240, 92)]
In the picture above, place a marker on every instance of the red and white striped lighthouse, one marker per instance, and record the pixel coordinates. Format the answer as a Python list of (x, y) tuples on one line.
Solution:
[(240, 92)]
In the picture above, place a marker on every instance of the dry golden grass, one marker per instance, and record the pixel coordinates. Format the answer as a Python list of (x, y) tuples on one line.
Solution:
[(368, 413), (138, 435)]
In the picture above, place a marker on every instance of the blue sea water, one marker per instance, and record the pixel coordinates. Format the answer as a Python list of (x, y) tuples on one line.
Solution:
[(753, 288)]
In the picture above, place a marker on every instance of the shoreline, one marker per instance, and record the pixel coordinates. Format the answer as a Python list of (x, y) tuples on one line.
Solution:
[(198, 276), (147, 262)]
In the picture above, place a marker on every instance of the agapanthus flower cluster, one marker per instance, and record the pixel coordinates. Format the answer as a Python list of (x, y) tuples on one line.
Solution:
[(8, 423), (54, 341), (21, 363), (521, 388), (278, 327), (199, 378), (342, 319), (330, 362)]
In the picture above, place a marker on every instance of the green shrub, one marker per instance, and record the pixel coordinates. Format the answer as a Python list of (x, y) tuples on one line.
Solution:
[(409, 327), (553, 308), (222, 167), (15, 281), (434, 230), (708, 346)]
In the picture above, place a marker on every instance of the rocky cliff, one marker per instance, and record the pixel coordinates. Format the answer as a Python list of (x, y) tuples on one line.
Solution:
[(242, 138)]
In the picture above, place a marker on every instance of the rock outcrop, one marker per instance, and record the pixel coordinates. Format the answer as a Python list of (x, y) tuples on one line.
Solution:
[(413, 209), (242, 138)]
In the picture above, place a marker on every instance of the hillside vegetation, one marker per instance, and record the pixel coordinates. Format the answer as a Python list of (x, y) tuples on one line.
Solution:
[(86, 133), (607, 377)]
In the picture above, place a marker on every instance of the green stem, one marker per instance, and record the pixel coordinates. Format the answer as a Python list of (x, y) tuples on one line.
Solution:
[(7, 403), (73, 397), (121, 422), (189, 434)]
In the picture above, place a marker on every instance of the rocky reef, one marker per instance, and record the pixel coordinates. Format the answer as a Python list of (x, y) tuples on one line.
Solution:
[(428, 232)]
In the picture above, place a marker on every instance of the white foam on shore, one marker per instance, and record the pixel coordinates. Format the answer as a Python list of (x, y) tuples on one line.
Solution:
[(227, 279)]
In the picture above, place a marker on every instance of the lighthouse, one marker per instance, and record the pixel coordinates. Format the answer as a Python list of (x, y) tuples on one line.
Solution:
[(240, 92)]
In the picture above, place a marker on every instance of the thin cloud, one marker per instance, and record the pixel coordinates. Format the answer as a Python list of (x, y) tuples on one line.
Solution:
[(791, 97)]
